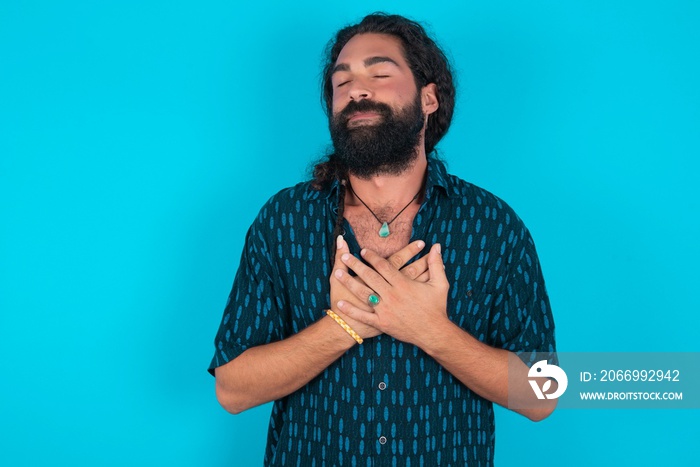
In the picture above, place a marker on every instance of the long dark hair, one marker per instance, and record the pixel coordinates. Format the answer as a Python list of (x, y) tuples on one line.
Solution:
[(428, 64)]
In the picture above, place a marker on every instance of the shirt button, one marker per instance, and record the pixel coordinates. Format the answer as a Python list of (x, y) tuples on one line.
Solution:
[(382, 440), (382, 385)]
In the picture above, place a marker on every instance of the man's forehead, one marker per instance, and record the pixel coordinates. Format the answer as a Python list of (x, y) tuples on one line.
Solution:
[(365, 46)]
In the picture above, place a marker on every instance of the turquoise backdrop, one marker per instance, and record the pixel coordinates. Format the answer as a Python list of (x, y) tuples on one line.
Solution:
[(139, 139)]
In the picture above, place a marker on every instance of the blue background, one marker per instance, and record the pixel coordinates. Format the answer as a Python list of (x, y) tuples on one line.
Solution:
[(139, 139)]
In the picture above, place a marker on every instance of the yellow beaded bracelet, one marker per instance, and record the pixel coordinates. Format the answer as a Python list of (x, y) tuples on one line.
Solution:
[(344, 325)]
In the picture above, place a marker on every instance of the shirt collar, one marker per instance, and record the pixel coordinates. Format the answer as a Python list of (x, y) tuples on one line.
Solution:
[(332, 189), (437, 177)]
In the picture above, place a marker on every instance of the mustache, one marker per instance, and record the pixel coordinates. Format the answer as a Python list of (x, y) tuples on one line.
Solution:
[(363, 105)]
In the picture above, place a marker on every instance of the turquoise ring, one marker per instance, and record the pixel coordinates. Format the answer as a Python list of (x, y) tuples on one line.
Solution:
[(373, 300)]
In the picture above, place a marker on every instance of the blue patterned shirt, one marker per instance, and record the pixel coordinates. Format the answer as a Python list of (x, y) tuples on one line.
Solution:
[(386, 402)]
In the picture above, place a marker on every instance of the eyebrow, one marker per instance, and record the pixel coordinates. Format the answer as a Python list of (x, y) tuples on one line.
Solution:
[(368, 63)]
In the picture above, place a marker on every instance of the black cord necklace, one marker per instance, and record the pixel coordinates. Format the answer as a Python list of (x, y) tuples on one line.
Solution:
[(384, 230)]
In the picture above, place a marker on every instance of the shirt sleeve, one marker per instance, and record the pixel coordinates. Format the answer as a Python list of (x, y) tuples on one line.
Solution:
[(527, 324), (252, 314)]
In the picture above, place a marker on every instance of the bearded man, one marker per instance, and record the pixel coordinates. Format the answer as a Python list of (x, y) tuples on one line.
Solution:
[(377, 305)]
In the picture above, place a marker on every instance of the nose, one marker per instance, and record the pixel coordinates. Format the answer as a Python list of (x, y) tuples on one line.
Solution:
[(359, 90)]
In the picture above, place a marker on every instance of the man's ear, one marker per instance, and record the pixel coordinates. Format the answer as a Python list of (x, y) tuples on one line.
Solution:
[(429, 100)]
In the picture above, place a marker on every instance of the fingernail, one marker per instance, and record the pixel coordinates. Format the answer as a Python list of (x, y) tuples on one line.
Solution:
[(345, 257), (338, 273), (341, 304), (339, 242), (439, 248), (363, 251), (420, 244)]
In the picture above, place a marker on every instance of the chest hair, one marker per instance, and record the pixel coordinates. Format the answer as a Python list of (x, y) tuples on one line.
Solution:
[(366, 229)]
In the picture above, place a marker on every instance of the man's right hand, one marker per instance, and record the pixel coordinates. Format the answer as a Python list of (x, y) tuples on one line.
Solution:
[(417, 271)]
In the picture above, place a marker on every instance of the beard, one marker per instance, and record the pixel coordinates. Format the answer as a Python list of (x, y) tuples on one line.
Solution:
[(388, 147)]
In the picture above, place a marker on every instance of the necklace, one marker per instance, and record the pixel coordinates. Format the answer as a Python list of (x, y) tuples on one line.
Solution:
[(384, 230)]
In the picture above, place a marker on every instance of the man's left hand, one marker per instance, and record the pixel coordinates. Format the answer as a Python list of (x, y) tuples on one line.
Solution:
[(407, 309)]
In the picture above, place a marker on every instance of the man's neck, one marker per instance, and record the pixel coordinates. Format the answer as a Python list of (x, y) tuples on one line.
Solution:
[(389, 191)]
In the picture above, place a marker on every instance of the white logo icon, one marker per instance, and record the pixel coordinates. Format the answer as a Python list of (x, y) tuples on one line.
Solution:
[(542, 369)]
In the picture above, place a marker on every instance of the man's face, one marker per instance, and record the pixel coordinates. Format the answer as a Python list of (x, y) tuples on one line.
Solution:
[(378, 119)]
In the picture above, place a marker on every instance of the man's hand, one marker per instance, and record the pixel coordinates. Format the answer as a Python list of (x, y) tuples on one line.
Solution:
[(417, 271), (407, 308), (340, 293)]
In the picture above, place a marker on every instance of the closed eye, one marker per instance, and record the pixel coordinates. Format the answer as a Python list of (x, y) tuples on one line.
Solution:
[(342, 84)]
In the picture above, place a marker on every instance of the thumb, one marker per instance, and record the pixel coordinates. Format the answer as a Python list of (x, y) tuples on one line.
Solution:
[(341, 247), (435, 264)]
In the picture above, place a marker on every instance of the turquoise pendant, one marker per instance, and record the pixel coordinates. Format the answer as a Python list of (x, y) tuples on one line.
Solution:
[(384, 231)]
